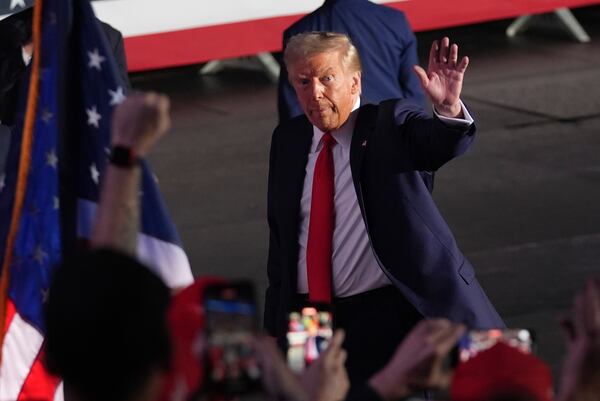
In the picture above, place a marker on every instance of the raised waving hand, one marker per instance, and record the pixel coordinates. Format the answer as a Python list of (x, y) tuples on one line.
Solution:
[(442, 82)]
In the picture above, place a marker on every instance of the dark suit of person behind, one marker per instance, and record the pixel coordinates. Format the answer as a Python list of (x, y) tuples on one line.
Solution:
[(413, 267), (385, 42), (15, 32)]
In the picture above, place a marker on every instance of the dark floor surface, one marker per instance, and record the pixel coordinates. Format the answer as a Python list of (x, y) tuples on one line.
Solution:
[(524, 203)]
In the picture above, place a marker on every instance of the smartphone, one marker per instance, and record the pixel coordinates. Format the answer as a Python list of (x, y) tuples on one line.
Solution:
[(475, 341), (231, 321), (309, 332)]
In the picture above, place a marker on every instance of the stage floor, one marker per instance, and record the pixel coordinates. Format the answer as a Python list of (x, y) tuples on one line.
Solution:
[(524, 203)]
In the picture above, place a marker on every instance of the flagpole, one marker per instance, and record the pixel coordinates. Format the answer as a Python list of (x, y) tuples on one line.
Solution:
[(24, 165)]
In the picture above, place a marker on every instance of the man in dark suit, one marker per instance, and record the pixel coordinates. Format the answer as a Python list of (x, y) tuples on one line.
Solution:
[(16, 50), (351, 221), (387, 48), (385, 42), (15, 53)]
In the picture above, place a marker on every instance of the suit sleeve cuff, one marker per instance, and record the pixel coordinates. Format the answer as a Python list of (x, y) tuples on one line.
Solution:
[(456, 122)]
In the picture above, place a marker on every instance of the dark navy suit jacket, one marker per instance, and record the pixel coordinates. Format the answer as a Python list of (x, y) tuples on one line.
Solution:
[(15, 31), (385, 42), (411, 240)]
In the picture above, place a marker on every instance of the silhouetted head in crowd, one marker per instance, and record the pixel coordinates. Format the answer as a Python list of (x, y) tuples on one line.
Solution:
[(107, 334)]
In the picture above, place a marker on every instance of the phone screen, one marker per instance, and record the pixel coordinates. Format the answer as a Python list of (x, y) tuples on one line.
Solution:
[(476, 341), (309, 333), (231, 322)]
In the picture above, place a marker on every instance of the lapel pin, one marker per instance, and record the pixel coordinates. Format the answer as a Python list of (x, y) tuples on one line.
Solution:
[(364, 144)]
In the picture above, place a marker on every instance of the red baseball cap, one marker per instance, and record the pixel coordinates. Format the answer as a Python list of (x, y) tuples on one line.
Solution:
[(502, 370), (186, 321)]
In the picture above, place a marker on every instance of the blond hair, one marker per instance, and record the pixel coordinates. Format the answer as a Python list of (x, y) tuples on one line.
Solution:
[(309, 44)]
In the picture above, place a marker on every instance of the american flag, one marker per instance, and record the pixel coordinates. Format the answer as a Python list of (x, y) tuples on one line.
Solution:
[(11, 6), (78, 89)]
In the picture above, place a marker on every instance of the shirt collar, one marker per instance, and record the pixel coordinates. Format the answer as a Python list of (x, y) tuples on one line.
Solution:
[(343, 135)]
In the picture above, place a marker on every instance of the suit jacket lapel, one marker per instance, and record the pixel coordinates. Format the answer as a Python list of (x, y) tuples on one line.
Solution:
[(365, 124), (296, 144)]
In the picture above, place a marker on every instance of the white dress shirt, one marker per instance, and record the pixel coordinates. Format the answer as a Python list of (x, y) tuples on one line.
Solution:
[(355, 269), (26, 56)]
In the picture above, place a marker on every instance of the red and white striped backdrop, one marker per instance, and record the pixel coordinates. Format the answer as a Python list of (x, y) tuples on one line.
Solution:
[(164, 34)]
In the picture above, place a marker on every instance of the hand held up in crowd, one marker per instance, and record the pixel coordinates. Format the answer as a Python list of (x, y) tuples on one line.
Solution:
[(418, 362), (325, 380), (137, 125), (442, 82), (140, 121), (581, 370), (279, 381)]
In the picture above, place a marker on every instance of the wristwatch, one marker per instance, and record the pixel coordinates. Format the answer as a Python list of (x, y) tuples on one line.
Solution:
[(123, 156)]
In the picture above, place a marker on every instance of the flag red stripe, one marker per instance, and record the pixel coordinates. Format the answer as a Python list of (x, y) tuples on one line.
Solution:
[(39, 384), (21, 348), (10, 313)]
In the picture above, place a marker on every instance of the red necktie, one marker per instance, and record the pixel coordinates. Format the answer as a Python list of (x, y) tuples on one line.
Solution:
[(320, 228)]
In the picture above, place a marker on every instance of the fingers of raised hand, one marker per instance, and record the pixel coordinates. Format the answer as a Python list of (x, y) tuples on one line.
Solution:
[(264, 345), (334, 362), (137, 107), (434, 54), (579, 307), (343, 355), (336, 341), (568, 327), (440, 52), (155, 108), (587, 312), (334, 351), (453, 57), (592, 309), (444, 55), (157, 101), (164, 106), (444, 335), (462, 66), (422, 74)]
